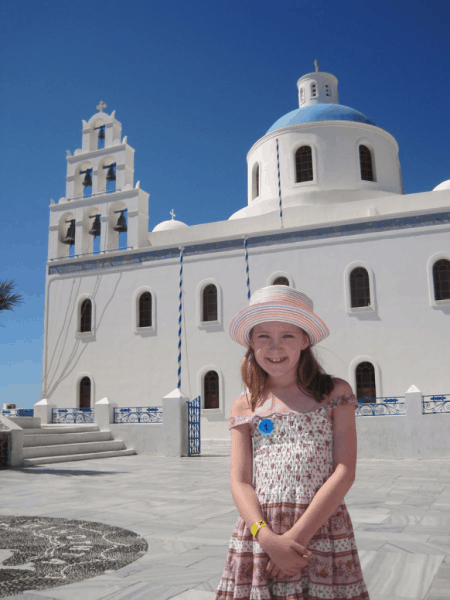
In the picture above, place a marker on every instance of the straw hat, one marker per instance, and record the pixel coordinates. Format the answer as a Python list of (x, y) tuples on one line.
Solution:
[(278, 303)]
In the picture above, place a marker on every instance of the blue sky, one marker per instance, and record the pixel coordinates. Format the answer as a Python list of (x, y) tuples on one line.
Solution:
[(194, 85)]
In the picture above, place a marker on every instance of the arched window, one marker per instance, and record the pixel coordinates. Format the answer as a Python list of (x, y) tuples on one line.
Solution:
[(327, 90), (255, 182), (313, 90), (365, 160), (281, 281), (145, 310), (211, 390), (86, 315), (303, 164), (85, 393), (359, 287), (210, 303), (302, 94), (365, 382), (441, 279)]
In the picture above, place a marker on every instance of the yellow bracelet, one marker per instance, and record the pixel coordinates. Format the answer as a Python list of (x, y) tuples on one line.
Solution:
[(257, 526)]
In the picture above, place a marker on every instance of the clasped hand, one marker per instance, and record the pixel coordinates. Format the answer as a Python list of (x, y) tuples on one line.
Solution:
[(287, 557)]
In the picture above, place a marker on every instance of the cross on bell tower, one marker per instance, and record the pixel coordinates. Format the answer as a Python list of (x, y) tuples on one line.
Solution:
[(101, 106)]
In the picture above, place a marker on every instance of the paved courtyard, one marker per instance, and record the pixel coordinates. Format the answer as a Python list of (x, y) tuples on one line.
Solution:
[(184, 510)]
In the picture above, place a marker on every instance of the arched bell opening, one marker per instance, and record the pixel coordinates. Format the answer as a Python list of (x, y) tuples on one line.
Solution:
[(107, 175), (118, 220), (97, 135), (92, 231), (84, 179), (66, 236), (100, 136), (110, 178)]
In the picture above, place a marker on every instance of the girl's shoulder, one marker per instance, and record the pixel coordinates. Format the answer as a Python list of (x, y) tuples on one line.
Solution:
[(342, 393)]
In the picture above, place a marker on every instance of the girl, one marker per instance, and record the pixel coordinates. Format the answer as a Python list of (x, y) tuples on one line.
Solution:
[(294, 538)]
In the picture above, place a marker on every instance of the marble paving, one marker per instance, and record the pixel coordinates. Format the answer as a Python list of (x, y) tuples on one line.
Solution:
[(183, 509)]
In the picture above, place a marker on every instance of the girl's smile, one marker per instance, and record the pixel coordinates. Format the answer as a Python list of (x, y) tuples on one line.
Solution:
[(277, 347)]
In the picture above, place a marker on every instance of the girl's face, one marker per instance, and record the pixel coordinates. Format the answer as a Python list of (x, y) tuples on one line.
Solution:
[(274, 340)]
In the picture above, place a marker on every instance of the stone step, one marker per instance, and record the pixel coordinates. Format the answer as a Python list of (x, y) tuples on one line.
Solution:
[(57, 428), (30, 462), (49, 439), (74, 448)]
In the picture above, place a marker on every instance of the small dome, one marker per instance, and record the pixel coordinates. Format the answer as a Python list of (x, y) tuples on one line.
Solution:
[(171, 224), (320, 112), (445, 185)]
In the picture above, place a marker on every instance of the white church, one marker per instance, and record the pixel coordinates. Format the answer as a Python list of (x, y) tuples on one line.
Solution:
[(326, 214)]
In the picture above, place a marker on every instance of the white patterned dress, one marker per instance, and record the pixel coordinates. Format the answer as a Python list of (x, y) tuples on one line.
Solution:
[(292, 459)]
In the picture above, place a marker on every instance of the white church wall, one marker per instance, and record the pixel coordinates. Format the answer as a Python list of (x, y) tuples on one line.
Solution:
[(133, 368)]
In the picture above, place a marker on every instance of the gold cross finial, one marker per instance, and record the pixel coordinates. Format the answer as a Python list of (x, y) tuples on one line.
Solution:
[(316, 64), (101, 106), (172, 213)]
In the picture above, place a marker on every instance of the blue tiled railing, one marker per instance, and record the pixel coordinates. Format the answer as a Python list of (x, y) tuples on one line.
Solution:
[(388, 406), (138, 414), (436, 404), (18, 412), (72, 415)]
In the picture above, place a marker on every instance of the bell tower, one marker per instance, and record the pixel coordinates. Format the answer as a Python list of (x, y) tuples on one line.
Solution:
[(101, 200)]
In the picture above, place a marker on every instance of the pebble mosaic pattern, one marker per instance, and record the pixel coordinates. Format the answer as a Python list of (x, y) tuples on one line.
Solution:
[(37, 553)]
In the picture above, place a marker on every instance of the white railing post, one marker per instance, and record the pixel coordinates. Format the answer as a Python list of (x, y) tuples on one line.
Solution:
[(43, 410), (104, 413), (175, 424)]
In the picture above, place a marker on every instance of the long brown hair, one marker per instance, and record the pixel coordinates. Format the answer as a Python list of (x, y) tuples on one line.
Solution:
[(310, 376)]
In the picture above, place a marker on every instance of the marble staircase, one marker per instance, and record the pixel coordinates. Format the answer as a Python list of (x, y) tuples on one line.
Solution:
[(62, 443)]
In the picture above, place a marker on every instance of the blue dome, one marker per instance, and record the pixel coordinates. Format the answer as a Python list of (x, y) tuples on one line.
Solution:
[(320, 112)]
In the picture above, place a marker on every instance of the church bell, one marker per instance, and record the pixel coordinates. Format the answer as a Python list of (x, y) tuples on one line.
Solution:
[(96, 226), (111, 176), (121, 224), (101, 134), (87, 179), (70, 237)]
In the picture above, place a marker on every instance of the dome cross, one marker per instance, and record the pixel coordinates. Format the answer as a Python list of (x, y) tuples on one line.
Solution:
[(172, 213)]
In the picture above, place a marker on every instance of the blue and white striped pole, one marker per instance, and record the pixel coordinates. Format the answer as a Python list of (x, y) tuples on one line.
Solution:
[(180, 316), (246, 267), (279, 184)]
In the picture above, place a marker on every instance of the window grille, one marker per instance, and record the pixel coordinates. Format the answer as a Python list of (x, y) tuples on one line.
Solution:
[(210, 303), (313, 90), (211, 390), (365, 159), (303, 164), (281, 281), (365, 382), (85, 393), (327, 90), (145, 310), (360, 288), (441, 279), (86, 316)]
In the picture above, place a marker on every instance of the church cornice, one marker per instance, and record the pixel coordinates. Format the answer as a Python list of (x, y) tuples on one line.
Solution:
[(98, 153), (382, 225)]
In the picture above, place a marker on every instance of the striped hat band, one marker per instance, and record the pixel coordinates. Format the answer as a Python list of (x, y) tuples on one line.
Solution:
[(278, 303)]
